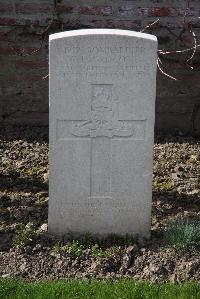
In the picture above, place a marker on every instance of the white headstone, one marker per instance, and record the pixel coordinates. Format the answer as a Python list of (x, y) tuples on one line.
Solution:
[(102, 101)]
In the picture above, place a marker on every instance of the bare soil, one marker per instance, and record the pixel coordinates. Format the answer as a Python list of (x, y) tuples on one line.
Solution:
[(24, 199)]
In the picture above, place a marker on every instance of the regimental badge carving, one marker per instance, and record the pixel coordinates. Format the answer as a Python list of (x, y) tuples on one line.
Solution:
[(103, 116)]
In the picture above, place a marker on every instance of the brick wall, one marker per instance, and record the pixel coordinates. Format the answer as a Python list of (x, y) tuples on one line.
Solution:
[(26, 24)]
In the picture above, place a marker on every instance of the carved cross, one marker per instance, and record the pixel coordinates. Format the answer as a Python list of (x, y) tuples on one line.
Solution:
[(102, 127)]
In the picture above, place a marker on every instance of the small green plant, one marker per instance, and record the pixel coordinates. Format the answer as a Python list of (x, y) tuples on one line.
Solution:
[(57, 248), (73, 249), (24, 234), (107, 253), (96, 251), (118, 240), (89, 240), (32, 171), (113, 251), (164, 186), (181, 233)]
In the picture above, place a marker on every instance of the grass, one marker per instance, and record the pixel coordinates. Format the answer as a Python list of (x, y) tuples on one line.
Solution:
[(76, 289), (182, 233)]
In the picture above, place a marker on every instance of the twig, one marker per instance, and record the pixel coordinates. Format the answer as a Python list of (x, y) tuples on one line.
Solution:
[(45, 77), (195, 45), (161, 70), (150, 25), (186, 11), (177, 51)]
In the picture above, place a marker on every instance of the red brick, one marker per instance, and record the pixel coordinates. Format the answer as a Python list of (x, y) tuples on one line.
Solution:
[(127, 11), (155, 11), (123, 24), (186, 40), (16, 50), (161, 12), (95, 10), (143, 11), (61, 8), (191, 12), (32, 64), (3, 35), (132, 24), (166, 12), (7, 21), (172, 24), (6, 7), (6, 51), (32, 8), (73, 23), (19, 20)]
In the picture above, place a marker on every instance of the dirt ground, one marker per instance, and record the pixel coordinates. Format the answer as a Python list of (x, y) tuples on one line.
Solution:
[(24, 201)]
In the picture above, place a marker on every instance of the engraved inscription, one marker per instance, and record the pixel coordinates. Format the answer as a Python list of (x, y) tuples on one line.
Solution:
[(108, 60), (103, 116), (117, 49)]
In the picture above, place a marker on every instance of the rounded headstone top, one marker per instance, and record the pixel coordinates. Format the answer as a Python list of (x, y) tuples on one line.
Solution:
[(118, 32)]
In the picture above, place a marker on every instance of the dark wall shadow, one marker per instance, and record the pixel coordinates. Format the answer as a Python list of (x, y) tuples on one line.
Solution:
[(25, 132)]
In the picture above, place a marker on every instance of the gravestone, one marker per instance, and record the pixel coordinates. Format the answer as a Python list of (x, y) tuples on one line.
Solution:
[(102, 101)]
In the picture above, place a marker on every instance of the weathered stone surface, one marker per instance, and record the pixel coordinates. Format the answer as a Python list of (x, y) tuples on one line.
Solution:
[(102, 102)]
